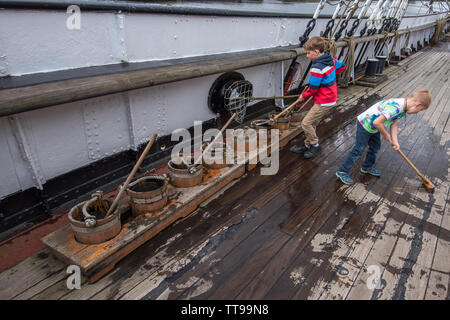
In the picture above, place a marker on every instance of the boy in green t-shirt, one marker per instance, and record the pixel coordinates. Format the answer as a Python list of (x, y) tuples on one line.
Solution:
[(371, 123)]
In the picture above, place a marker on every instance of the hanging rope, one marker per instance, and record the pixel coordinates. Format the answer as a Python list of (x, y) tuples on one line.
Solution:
[(345, 77), (407, 38), (393, 45), (382, 41), (440, 25), (331, 47), (352, 12)]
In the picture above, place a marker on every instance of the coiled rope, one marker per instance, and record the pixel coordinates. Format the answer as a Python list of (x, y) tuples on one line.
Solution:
[(345, 77)]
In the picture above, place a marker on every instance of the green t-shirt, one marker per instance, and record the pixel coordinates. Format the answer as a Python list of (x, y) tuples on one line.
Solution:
[(392, 109)]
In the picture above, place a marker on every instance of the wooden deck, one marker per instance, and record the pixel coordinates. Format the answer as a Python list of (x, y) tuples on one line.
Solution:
[(301, 234)]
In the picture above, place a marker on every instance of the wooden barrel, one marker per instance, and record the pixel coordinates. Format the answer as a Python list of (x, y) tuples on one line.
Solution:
[(247, 137), (147, 194), (216, 156), (94, 228), (182, 177), (282, 123), (263, 130), (298, 116)]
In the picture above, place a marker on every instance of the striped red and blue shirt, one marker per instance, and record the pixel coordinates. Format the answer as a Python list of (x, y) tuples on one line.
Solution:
[(322, 80)]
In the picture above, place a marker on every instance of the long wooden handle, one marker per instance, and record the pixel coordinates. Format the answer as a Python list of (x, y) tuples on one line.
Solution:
[(265, 98), (290, 107), (131, 175), (215, 138), (410, 163)]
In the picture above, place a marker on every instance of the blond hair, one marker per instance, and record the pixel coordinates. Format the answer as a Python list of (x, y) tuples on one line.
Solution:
[(423, 96), (315, 43)]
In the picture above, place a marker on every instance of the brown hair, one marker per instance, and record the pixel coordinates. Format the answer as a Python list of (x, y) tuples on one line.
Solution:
[(315, 43), (423, 96)]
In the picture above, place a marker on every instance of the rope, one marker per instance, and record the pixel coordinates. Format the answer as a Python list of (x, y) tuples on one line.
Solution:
[(340, 19), (383, 41), (440, 25), (355, 7), (407, 38), (331, 44), (331, 47), (345, 77), (393, 45)]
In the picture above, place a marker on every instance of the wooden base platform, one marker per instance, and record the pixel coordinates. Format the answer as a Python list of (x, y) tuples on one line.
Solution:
[(96, 260)]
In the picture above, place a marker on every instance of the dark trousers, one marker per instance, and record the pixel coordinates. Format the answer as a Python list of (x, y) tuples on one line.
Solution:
[(363, 139)]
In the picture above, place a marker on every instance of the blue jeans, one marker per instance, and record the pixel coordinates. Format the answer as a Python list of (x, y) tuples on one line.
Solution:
[(363, 139)]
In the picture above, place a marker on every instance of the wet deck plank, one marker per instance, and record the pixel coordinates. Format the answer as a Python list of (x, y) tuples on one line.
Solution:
[(354, 258), (301, 234)]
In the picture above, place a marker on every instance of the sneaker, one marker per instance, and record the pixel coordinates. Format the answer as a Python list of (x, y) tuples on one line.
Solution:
[(371, 171), (311, 152), (345, 178), (300, 149)]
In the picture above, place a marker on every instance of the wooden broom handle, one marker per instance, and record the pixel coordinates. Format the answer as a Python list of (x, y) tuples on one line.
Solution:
[(131, 175), (410, 163), (288, 108)]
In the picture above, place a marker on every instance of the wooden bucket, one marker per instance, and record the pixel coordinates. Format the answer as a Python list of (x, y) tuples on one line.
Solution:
[(180, 175), (210, 158), (261, 127), (281, 123), (245, 136), (93, 228), (147, 194), (298, 116)]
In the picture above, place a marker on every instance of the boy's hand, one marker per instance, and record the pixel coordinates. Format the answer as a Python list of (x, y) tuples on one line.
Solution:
[(395, 146)]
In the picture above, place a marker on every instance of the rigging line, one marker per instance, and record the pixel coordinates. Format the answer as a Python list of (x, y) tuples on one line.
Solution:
[(294, 64), (352, 47), (377, 15), (333, 4), (303, 39), (350, 14), (396, 23), (386, 22), (330, 23), (355, 24), (340, 19)]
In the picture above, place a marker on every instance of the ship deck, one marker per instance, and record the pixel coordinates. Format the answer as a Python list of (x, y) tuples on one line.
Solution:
[(301, 234)]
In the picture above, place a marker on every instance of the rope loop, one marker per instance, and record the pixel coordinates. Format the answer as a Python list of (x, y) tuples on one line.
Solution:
[(345, 77)]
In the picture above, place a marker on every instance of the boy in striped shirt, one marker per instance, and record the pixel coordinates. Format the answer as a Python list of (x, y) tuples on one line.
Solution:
[(322, 85)]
